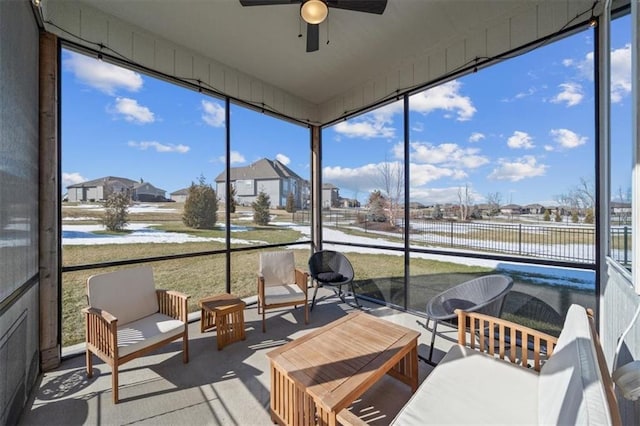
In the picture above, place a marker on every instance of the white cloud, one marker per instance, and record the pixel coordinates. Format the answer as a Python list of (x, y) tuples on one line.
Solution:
[(72, 178), (213, 114), (421, 174), (520, 140), (445, 97), (133, 111), (571, 94), (548, 148), (283, 159), (567, 139), (366, 178), (620, 73), (236, 158), (159, 147), (379, 123), (375, 124), (520, 168), (100, 75), (446, 154), (476, 137)]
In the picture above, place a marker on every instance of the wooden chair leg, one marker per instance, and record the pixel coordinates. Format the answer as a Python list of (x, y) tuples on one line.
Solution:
[(185, 347), (114, 381), (89, 364)]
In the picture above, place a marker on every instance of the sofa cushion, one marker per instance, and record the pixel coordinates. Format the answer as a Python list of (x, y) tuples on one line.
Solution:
[(127, 294), (571, 390), (147, 331), (277, 268), (470, 387)]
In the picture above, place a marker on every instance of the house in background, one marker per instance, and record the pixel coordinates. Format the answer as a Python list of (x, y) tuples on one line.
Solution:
[(180, 196), (330, 195), (511, 209), (268, 176), (144, 191), (533, 209), (100, 189)]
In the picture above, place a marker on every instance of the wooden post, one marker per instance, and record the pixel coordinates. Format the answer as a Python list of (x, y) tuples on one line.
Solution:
[(48, 205)]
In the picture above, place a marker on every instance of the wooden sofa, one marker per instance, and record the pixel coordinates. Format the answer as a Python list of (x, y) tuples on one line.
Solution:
[(485, 380), (127, 318)]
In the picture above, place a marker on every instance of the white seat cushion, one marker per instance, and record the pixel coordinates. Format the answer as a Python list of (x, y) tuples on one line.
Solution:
[(289, 293), (147, 331), (469, 387)]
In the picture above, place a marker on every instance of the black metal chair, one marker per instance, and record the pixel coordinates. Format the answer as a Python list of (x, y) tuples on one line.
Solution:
[(330, 268), (484, 294)]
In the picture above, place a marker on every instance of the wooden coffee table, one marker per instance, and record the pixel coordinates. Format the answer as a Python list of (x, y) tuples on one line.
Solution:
[(225, 312), (325, 371)]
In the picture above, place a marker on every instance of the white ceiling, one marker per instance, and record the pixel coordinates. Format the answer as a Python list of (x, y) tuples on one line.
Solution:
[(263, 41)]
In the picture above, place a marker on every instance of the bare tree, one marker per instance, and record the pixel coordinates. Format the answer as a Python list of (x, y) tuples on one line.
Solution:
[(494, 200), (579, 198), (392, 182), (465, 200)]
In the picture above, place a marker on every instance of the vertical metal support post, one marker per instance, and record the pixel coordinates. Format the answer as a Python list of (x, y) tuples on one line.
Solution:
[(635, 176), (407, 253), (316, 188), (227, 180), (520, 238), (603, 143)]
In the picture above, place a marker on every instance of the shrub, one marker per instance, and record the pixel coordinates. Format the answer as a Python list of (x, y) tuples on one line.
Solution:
[(574, 217), (291, 203), (261, 209), (558, 218), (588, 217), (201, 207), (547, 216), (116, 214)]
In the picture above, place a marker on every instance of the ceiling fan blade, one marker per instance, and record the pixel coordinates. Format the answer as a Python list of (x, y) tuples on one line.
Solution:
[(368, 6), (313, 37), (266, 2)]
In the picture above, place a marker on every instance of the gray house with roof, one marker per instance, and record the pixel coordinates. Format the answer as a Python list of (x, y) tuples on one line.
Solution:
[(100, 189), (268, 176)]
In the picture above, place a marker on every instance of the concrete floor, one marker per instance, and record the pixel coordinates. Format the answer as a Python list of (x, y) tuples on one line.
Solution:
[(228, 387)]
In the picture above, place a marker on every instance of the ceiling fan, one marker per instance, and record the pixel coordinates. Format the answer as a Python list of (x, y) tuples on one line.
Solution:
[(314, 12)]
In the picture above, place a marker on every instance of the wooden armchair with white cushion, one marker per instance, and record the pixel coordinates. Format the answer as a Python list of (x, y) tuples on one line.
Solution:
[(281, 284), (127, 318)]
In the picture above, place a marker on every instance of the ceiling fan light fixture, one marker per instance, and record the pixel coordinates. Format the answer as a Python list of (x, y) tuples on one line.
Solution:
[(314, 11)]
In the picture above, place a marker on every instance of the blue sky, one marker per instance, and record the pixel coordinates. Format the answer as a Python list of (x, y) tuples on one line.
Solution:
[(523, 128)]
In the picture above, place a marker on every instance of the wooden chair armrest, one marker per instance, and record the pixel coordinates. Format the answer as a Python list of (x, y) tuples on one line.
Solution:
[(101, 314), (347, 418), (101, 332), (173, 303), (302, 279), (492, 332)]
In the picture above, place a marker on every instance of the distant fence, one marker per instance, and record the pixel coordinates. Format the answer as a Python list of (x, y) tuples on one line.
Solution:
[(560, 241)]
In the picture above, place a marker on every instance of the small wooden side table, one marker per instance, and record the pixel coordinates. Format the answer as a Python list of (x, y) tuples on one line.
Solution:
[(225, 312)]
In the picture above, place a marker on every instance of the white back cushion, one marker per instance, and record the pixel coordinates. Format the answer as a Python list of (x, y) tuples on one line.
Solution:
[(277, 268), (570, 390), (128, 294)]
